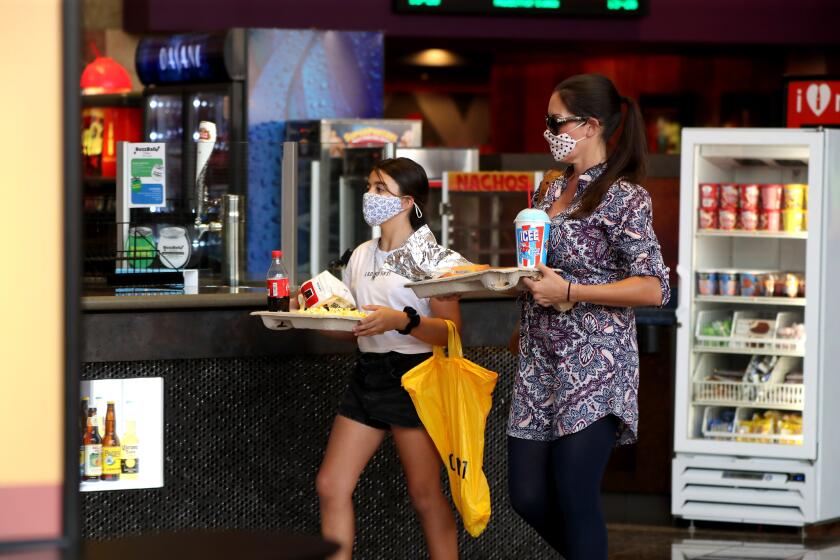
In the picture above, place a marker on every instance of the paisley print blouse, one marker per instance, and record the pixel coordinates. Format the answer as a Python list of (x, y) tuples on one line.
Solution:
[(577, 367)]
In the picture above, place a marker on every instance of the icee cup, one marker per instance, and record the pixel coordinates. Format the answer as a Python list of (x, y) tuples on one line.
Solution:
[(532, 229)]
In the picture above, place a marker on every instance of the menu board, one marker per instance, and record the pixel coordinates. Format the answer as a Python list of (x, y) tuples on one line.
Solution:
[(591, 8)]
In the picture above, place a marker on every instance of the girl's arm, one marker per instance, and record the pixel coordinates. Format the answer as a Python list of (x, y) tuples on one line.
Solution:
[(431, 330)]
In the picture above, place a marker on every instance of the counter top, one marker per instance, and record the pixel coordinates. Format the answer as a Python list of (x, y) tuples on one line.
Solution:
[(109, 299), (206, 297)]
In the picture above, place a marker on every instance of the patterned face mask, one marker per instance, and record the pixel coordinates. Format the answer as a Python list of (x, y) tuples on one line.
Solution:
[(562, 144), (378, 209)]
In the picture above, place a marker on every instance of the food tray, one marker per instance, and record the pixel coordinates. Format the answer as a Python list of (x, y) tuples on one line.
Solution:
[(493, 279), (281, 320)]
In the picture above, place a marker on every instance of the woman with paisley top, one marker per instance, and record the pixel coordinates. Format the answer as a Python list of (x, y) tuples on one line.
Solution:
[(575, 393)]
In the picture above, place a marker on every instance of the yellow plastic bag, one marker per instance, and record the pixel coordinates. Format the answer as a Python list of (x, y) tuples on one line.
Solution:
[(453, 397)]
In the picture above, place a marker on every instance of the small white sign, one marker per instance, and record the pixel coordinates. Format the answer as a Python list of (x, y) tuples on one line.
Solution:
[(143, 174)]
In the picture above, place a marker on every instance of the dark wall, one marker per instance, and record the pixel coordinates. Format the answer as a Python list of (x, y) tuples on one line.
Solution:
[(244, 438), (243, 441), (791, 22), (696, 89)]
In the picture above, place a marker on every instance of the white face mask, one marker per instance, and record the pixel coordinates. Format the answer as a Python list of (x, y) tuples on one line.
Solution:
[(562, 144)]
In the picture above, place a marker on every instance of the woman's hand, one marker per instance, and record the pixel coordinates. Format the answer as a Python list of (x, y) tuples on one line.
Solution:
[(382, 320), (549, 289)]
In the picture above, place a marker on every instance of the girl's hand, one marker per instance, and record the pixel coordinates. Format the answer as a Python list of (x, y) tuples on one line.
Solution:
[(450, 297), (548, 290), (382, 320)]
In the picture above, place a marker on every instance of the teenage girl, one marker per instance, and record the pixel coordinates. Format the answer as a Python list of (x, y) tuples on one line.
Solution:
[(397, 335)]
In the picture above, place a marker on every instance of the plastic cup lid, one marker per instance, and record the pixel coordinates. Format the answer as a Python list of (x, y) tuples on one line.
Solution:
[(532, 215)]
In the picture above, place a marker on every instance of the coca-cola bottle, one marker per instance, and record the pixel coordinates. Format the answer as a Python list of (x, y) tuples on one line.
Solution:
[(278, 283)]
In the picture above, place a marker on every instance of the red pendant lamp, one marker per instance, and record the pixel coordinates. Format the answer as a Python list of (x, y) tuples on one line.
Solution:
[(104, 75)]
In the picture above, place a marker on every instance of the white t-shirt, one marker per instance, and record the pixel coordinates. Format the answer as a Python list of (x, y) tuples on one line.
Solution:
[(371, 285)]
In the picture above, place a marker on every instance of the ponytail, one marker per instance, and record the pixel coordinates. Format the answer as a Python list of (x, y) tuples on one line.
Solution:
[(593, 95)]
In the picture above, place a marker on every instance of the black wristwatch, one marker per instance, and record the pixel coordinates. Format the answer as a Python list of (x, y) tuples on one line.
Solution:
[(413, 320)]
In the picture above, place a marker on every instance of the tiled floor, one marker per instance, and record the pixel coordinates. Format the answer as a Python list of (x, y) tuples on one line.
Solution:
[(633, 542)]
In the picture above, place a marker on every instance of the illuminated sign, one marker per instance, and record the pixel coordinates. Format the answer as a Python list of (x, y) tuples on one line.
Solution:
[(813, 102), (490, 181), (182, 59), (594, 8)]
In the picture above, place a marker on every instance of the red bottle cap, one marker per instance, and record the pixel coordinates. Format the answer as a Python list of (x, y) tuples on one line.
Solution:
[(277, 254)]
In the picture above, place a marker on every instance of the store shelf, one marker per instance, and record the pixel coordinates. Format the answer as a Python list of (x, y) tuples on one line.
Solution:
[(794, 407), (778, 396), (757, 300), (746, 351), (751, 234), (103, 485), (741, 156), (769, 439)]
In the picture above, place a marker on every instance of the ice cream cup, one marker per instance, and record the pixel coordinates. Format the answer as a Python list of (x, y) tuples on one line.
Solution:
[(795, 196), (532, 229), (709, 195), (791, 284), (729, 195), (749, 220), (708, 218), (728, 283), (707, 282), (768, 284), (727, 218), (794, 220), (749, 195), (750, 282), (770, 220), (771, 197)]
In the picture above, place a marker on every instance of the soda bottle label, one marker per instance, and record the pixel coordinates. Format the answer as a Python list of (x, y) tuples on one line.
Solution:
[(278, 287)]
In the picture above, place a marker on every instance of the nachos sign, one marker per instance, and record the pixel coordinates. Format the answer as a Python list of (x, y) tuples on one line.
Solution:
[(813, 102)]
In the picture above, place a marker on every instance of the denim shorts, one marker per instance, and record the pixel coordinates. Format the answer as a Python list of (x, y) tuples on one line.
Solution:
[(375, 396)]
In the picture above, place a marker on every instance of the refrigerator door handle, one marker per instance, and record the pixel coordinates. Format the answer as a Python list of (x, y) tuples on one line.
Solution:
[(682, 298)]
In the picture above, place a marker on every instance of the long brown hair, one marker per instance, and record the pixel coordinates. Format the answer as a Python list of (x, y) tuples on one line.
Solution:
[(594, 95)]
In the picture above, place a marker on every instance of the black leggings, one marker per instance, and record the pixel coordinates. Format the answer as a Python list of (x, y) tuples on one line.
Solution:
[(556, 487)]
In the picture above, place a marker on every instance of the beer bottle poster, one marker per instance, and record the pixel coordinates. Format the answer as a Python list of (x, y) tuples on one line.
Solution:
[(143, 174)]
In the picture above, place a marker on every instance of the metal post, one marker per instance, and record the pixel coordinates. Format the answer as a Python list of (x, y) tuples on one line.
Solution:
[(345, 215), (122, 210), (389, 151), (289, 209), (445, 211), (232, 237), (316, 220)]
